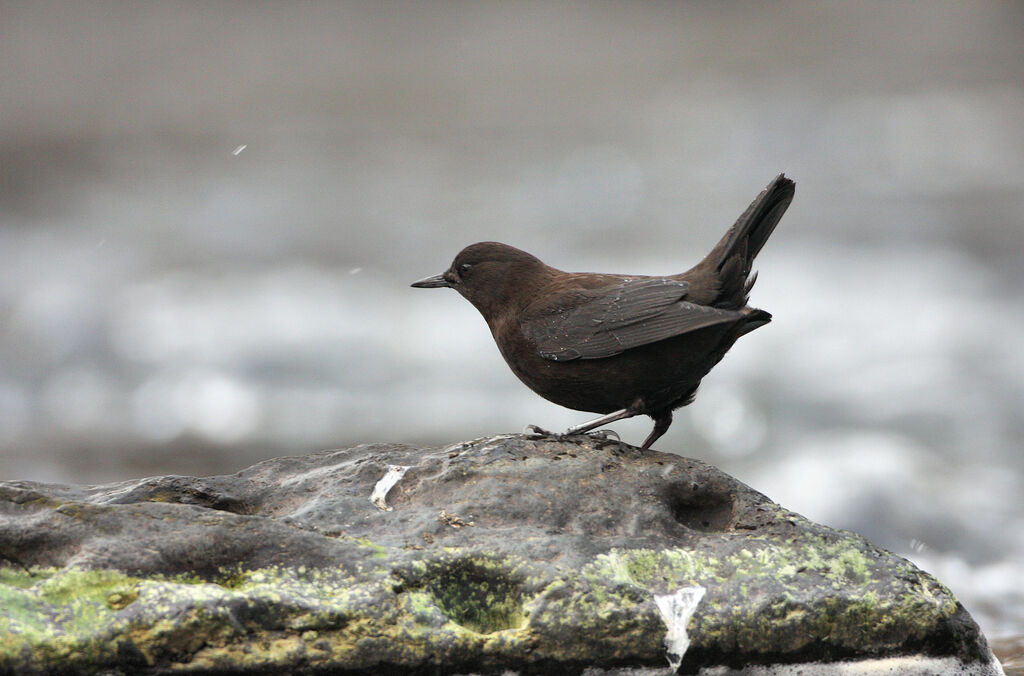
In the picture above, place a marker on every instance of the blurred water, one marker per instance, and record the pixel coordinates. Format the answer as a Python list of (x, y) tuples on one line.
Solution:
[(209, 219)]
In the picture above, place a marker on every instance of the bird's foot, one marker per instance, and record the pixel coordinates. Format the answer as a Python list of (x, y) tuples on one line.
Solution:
[(604, 435), (601, 439)]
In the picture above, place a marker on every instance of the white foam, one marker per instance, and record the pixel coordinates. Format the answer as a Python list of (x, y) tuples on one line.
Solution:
[(892, 666)]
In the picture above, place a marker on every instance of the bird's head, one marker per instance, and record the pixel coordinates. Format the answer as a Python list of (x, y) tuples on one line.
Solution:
[(490, 275)]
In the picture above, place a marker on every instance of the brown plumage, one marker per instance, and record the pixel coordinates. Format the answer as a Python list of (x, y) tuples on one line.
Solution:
[(622, 345)]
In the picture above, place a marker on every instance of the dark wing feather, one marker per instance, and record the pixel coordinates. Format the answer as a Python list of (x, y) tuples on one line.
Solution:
[(598, 323)]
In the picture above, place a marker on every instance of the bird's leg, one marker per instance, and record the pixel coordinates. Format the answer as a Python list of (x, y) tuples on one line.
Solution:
[(597, 422), (661, 424), (636, 408)]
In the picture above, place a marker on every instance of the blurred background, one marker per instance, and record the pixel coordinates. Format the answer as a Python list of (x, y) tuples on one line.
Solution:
[(210, 214)]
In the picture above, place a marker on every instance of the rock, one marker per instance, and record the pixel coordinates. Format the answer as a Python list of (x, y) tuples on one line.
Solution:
[(521, 554)]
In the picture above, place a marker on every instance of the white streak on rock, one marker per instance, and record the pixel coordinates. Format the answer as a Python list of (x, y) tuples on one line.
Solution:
[(676, 610), (390, 478)]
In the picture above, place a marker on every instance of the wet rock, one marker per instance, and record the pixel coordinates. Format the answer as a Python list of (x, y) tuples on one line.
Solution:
[(529, 555)]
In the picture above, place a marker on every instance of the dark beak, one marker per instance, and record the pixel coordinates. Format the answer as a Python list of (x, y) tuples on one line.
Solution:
[(435, 282)]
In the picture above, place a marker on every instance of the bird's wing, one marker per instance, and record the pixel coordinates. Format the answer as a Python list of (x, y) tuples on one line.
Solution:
[(597, 323)]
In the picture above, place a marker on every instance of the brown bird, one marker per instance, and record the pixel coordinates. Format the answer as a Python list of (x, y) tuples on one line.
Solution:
[(622, 345)]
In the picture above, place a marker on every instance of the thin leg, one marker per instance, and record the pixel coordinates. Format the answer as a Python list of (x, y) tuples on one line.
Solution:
[(661, 425), (597, 422)]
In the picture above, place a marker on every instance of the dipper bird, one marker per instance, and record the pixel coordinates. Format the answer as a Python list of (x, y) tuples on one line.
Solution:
[(621, 345)]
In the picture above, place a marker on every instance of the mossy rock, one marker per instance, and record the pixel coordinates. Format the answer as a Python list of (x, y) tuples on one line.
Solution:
[(503, 554)]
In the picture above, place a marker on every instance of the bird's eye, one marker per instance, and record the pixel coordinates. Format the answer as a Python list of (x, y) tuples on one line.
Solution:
[(464, 268)]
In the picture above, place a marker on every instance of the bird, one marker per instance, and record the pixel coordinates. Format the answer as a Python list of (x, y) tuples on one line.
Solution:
[(615, 344)]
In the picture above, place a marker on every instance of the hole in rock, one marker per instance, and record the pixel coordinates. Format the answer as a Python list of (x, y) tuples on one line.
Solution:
[(700, 508)]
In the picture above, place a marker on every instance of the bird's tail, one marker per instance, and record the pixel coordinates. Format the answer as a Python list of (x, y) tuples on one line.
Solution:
[(755, 320), (733, 256)]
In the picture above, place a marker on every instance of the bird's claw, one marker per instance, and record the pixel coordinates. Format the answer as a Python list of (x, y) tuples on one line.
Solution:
[(604, 434), (534, 430)]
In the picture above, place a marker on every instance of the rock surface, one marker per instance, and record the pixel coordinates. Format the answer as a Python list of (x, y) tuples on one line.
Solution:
[(532, 555)]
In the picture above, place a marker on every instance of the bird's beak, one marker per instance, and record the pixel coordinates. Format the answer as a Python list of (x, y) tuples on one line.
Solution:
[(435, 282)]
